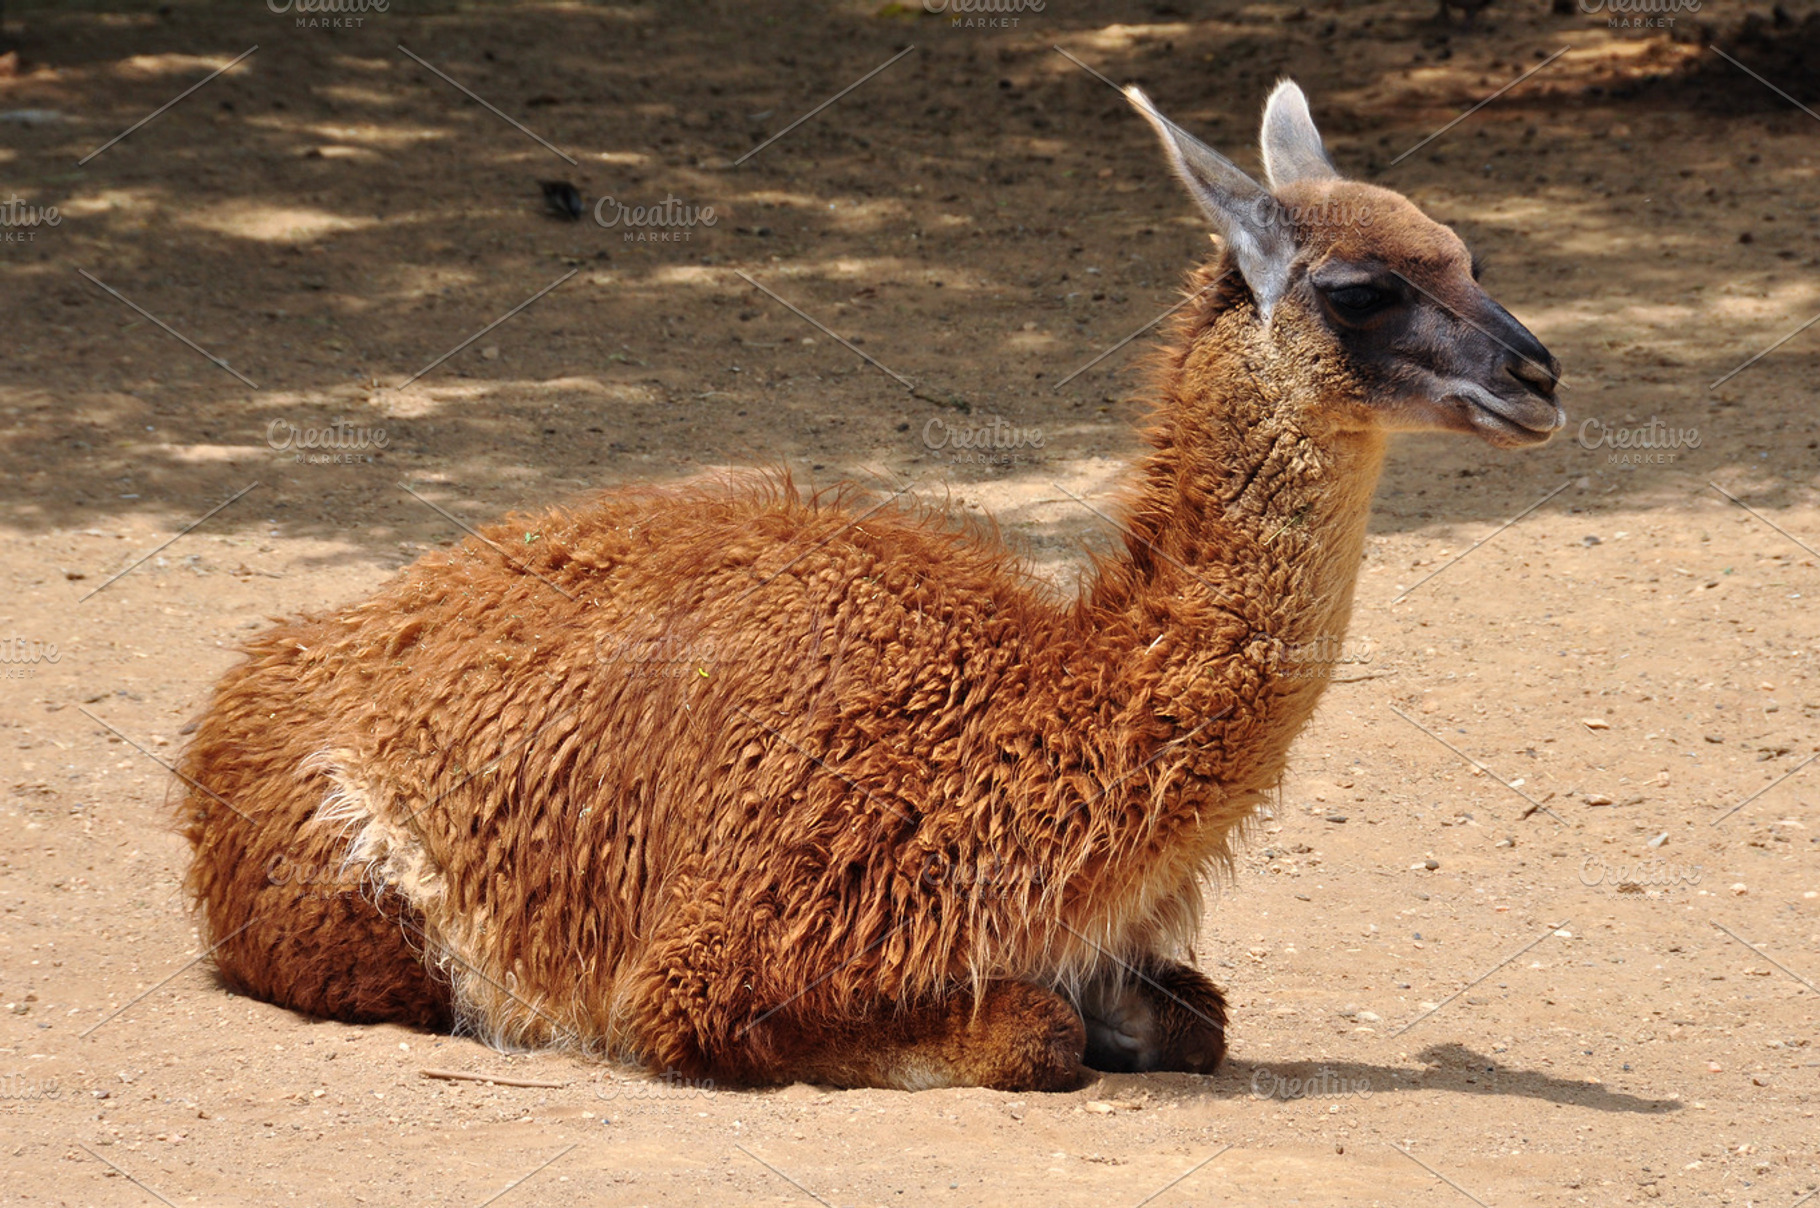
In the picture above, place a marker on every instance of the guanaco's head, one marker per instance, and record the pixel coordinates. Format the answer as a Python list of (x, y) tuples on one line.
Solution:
[(1379, 303)]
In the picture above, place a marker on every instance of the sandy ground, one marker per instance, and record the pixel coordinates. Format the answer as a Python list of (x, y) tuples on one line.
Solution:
[(1441, 994)]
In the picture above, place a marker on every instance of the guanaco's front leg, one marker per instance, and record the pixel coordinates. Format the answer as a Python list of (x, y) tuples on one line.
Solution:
[(1156, 1015)]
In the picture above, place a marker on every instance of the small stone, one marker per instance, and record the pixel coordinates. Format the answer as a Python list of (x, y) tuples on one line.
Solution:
[(1597, 799), (1108, 1106), (1431, 865), (1738, 887), (1336, 817), (490, 353), (1595, 723)]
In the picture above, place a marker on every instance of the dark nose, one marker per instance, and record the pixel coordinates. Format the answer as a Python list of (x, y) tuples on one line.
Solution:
[(1536, 369), (1524, 357)]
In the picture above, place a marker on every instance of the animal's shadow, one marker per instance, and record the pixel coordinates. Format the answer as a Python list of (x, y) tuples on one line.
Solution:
[(1448, 1067)]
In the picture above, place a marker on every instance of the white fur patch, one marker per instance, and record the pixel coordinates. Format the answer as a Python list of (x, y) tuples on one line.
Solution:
[(390, 855)]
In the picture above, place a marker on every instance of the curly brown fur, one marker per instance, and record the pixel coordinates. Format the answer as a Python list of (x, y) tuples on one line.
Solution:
[(757, 786)]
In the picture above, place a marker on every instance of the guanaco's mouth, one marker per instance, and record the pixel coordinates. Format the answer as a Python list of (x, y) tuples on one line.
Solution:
[(1509, 422)]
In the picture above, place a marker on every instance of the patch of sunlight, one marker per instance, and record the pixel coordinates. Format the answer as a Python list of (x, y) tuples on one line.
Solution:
[(623, 392), (415, 281), (203, 454), (689, 274), (853, 267), (173, 64), (361, 63), (379, 136), (1124, 37), (355, 94), (631, 14), (244, 219), (332, 151), (1591, 241), (91, 204), (870, 215), (776, 197), (392, 137), (628, 158), (1792, 303), (419, 399), (955, 220)]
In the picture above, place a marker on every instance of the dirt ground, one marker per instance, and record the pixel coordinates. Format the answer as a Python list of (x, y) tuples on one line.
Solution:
[(1441, 994)]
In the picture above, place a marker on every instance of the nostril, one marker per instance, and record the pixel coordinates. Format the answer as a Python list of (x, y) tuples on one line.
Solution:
[(1540, 377)]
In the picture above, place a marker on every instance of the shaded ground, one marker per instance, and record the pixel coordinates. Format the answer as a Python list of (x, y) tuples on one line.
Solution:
[(983, 218)]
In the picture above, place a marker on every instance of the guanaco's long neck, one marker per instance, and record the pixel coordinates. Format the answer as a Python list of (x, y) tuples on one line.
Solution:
[(1243, 546)]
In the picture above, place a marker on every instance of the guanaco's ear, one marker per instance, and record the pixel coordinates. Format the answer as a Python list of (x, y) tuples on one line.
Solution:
[(1247, 217), (1292, 146)]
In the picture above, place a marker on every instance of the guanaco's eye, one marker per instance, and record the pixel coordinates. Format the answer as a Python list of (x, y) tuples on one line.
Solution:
[(1357, 300)]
